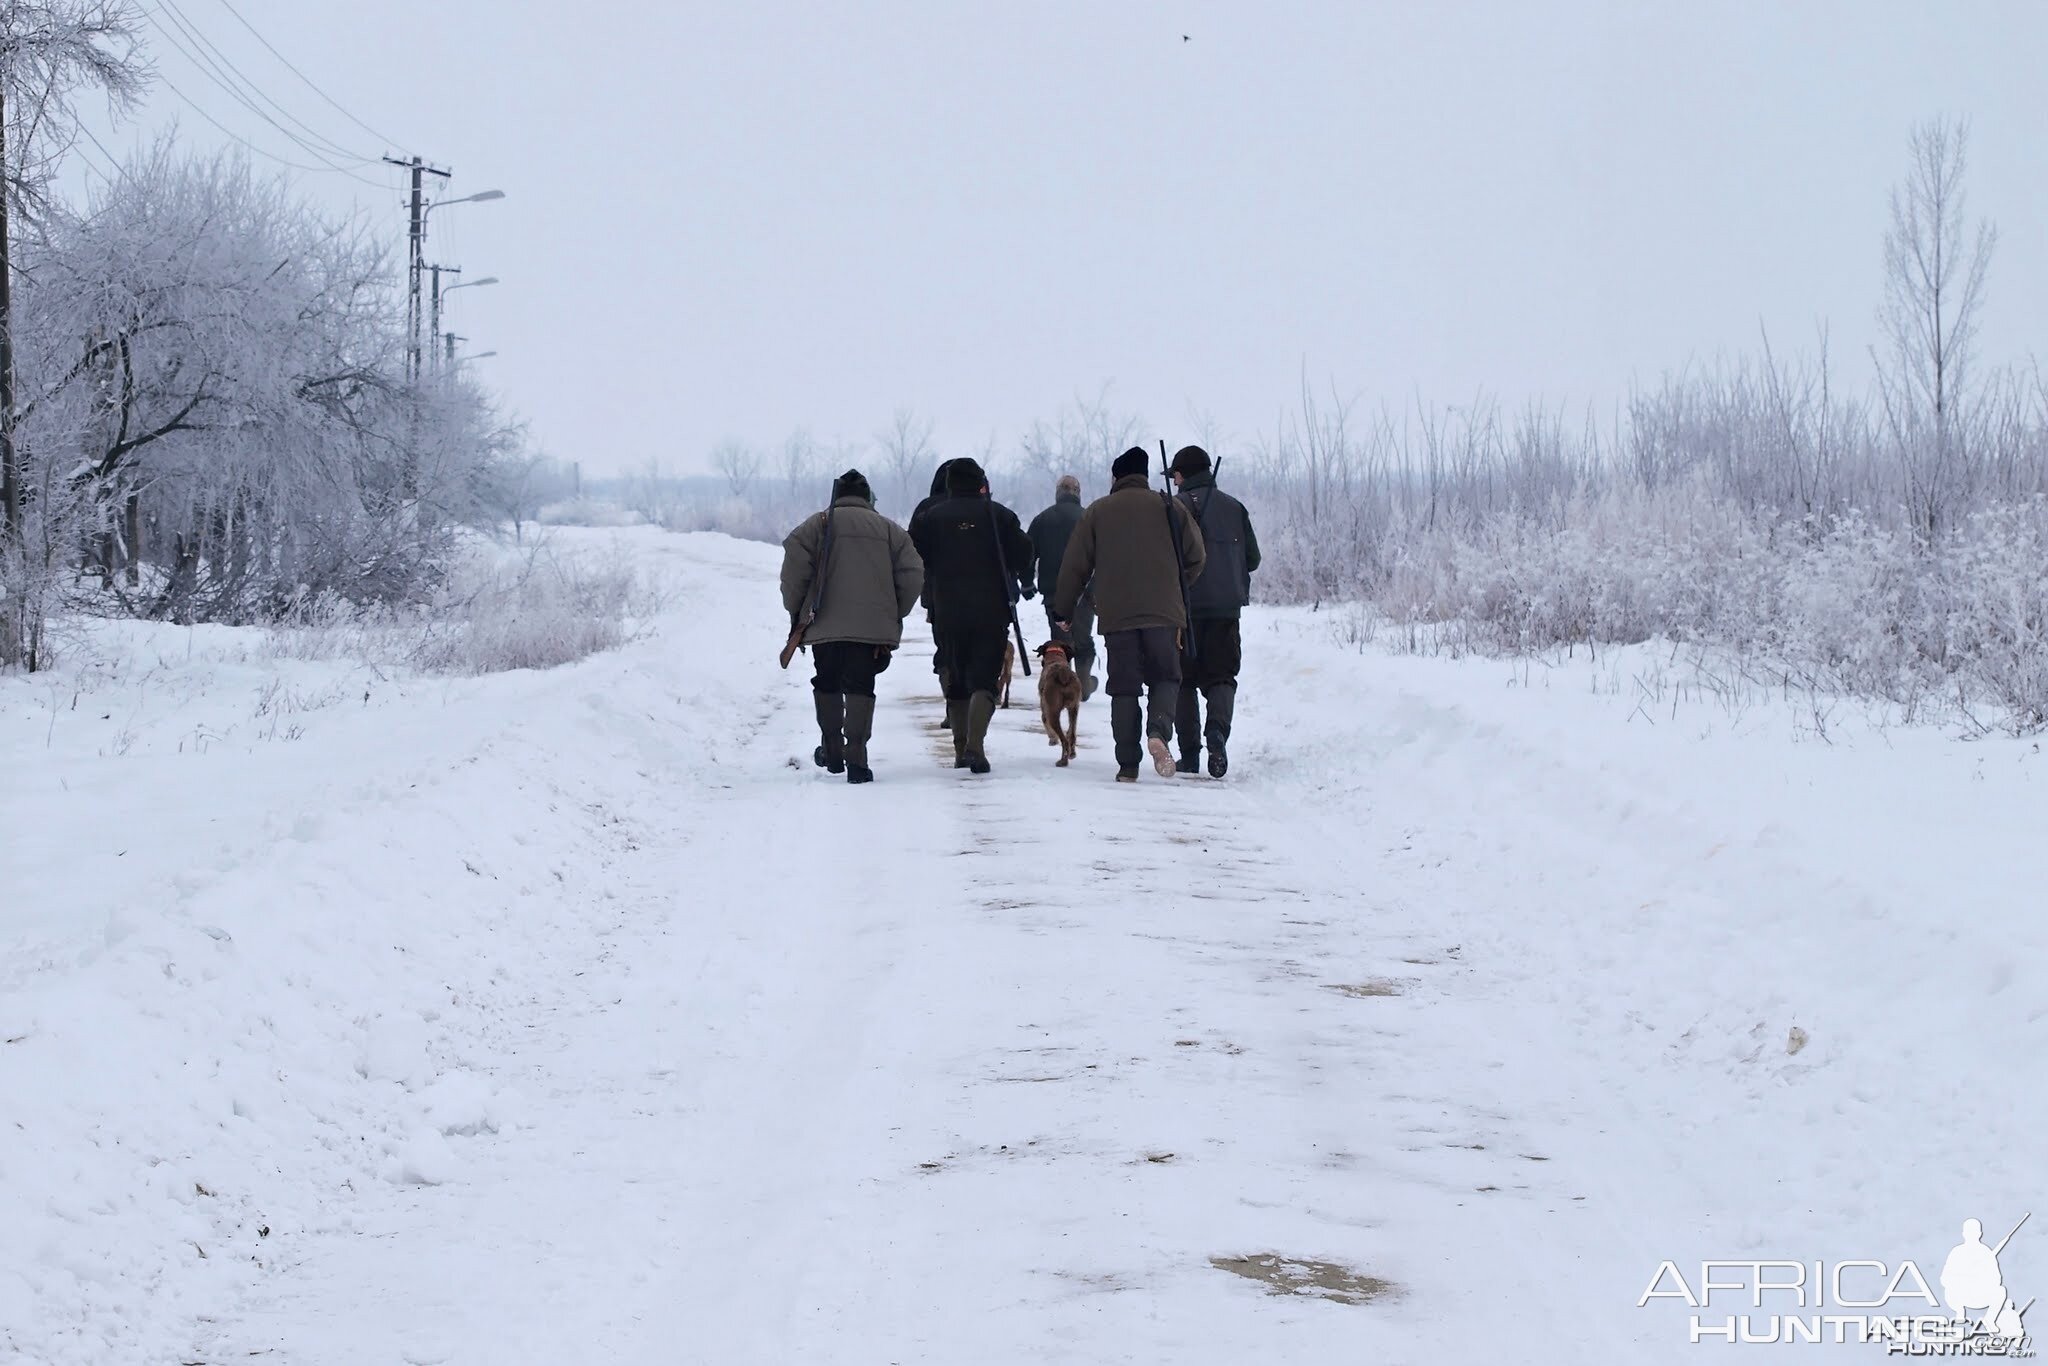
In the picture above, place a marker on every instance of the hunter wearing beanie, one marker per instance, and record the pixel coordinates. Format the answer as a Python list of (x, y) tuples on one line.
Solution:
[(1216, 650), (1050, 531), (849, 577), (1140, 549), (1133, 461), (978, 561), (853, 484)]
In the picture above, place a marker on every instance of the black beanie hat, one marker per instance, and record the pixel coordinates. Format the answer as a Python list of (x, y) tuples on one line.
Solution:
[(852, 484), (1190, 460), (1132, 461), (964, 476), (939, 477)]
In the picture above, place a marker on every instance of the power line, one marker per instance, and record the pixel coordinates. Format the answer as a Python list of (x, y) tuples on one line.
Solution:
[(214, 73), (263, 151), (119, 171), (217, 58), (388, 141)]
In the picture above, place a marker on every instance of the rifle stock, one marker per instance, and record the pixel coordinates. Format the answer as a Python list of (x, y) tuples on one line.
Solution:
[(801, 622)]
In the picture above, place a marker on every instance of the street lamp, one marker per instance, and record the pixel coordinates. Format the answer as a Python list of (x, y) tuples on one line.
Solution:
[(449, 339), (421, 210), (438, 271)]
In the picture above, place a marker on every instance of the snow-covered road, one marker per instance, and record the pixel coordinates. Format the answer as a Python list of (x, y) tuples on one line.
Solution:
[(595, 1025)]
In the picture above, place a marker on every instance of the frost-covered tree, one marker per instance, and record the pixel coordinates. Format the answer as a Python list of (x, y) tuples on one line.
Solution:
[(214, 376), (51, 53), (1935, 265)]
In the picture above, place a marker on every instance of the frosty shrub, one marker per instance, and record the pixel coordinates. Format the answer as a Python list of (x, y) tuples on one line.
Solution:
[(594, 512), (535, 611), (536, 614)]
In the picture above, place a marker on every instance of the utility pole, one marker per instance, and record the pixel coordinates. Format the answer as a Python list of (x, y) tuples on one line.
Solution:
[(434, 325), (416, 258)]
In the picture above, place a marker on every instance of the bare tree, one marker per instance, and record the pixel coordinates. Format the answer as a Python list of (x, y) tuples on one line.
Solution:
[(50, 52), (1935, 264), (739, 463), (906, 454), (799, 463)]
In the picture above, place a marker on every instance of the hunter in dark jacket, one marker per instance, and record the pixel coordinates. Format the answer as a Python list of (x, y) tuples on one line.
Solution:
[(1215, 646), (924, 599), (1050, 531), (871, 575), (1141, 549), (977, 559)]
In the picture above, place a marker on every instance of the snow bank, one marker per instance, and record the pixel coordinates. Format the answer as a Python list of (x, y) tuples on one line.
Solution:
[(266, 922)]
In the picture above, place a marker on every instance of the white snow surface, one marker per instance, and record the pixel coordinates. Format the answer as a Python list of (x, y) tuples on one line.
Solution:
[(349, 1017)]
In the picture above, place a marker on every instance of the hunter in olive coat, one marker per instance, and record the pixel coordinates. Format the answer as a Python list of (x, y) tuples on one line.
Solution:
[(872, 574), (1124, 543)]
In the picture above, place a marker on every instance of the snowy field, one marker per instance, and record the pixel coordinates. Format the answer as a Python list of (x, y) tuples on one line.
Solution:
[(351, 1018)]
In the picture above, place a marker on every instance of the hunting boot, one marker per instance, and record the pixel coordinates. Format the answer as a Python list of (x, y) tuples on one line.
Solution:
[(1126, 725), (981, 709), (860, 724), (1222, 702), (1159, 704), (1085, 667), (831, 755), (1187, 727), (956, 722)]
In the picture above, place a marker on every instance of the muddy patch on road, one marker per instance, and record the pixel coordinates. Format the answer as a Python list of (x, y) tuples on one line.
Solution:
[(1372, 986), (1301, 1276)]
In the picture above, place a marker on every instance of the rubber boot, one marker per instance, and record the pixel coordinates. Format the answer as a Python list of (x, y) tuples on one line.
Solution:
[(981, 709), (956, 721), (1126, 726), (1085, 668), (831, 708), (1222, 703), (1159, 704), (1187, 729), (860, 724)]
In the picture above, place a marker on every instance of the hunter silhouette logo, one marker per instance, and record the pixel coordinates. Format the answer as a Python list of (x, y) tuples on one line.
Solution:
[(1892, 1304), (1975, 1288)]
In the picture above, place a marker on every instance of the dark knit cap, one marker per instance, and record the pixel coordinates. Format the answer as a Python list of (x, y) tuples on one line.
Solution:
[(1190, 460), (964, 476), (1132, 461), (939, 477), (852, 484)]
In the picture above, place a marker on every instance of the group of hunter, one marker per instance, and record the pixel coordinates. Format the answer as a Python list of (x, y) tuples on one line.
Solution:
[(1163, 578)]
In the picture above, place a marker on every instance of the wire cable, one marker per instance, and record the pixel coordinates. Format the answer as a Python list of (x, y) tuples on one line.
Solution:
[(385, 139), (263, 151), (326, 161), (240, 80)]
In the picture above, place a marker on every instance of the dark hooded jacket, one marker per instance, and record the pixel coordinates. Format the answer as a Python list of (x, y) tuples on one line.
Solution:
[(1125, 542), (1050, 531), (924, 599), (1225, 586), (967, 540)]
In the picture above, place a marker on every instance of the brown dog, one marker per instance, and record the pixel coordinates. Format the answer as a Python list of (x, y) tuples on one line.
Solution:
[(1009, 668), (1059, 692)]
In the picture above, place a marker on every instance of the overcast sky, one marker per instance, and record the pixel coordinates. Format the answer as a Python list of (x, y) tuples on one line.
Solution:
[(738, 219)]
